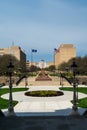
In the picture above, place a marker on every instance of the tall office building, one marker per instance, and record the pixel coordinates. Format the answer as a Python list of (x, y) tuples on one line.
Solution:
[(64, 53), (15, 51)]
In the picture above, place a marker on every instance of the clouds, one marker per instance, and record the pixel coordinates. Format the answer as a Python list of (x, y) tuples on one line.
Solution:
[(43, 24)]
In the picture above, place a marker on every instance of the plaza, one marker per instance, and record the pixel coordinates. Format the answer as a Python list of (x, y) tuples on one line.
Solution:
[(43, 106), (43, 113)]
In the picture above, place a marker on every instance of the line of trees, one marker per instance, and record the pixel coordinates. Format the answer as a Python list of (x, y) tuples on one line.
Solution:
[(4, 62), (81, 65), (18, 67)]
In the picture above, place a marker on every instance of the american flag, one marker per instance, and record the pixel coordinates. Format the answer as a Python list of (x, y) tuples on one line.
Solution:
[(55, 50)]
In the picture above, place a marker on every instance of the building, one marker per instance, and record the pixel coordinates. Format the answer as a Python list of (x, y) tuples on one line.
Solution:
[(15, 51), (42, 64), (50, 63), (29, 64), (64, 53)]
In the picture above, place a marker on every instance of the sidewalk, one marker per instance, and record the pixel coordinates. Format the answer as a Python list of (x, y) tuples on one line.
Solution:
[(43, 106)]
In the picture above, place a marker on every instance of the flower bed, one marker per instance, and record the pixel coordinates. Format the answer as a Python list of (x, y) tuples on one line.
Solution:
[(44, 93)]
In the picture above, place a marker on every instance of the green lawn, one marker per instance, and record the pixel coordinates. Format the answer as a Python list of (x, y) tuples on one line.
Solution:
[(4, 103), (80, 89), (81, 102)]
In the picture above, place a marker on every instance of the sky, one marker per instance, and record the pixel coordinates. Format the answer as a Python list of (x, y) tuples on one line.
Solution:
[(43, 25)]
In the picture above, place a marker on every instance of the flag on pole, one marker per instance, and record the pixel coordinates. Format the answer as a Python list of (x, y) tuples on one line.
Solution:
[(56, 50), (33, 50)]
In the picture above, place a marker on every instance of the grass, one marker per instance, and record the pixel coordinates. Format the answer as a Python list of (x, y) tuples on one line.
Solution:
[(80, 89), (4, 103), (81, 102)]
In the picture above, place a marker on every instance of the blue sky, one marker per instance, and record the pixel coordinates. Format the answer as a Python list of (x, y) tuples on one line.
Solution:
[(43, 25)]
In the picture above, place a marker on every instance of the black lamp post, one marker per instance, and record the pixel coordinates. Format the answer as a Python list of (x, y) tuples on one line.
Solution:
[(74, 108), (26, 81), (10, 109), (60, 78)]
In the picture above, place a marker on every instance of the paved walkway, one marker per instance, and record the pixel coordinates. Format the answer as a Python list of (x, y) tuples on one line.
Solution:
[(43, 106)]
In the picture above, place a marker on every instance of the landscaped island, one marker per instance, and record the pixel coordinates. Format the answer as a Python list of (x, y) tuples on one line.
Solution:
[(42, 76), (44, 93)]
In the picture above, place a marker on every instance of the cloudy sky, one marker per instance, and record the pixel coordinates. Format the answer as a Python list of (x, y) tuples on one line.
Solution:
[(43, 25)]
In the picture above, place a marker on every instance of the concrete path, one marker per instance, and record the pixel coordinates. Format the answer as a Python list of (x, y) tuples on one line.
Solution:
[(43, 106)]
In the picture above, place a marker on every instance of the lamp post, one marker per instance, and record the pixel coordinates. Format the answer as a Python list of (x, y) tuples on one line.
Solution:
[(26, 82), (60, 78), (74, 108), (10, 109)]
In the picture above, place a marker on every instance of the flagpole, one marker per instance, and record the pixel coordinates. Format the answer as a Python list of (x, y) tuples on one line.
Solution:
[(55, 51), (54, 57), (32, 51), (31, 57), (54, 61)]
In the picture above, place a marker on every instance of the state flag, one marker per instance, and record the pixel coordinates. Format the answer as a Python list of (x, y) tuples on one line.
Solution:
[(33, 50)]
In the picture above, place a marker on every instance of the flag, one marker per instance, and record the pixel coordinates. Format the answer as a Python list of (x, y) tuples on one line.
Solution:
[(56, 50), (33, 50)]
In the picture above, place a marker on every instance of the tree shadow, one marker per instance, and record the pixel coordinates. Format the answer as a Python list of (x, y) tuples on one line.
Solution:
[(60, 112)]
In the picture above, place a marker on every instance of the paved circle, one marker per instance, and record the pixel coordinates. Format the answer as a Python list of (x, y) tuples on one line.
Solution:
[(46, 106)]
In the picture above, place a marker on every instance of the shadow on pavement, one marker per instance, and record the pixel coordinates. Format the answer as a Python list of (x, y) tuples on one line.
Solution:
[(61, 112)]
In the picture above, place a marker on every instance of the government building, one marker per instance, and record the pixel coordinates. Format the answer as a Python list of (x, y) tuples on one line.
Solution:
[(64, 53), (15, 51)]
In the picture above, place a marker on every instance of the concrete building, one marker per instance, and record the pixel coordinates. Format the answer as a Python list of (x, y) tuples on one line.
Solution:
[(64, 53), (29, 64), (50, 63), (15, 51), (42, 64)]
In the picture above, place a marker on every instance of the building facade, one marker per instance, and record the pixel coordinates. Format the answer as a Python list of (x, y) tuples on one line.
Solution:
[(42, 64), (64, 53), (15, 51), (50, 63)]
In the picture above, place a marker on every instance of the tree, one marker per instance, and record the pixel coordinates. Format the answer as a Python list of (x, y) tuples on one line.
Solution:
[(33, 68), (4, 62), (63, 66), (81, 65), (51, 68)]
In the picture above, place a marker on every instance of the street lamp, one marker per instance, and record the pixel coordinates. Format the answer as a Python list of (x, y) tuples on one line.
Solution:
[(60, 78), (10, 109), (74, 108), (26, 82)]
